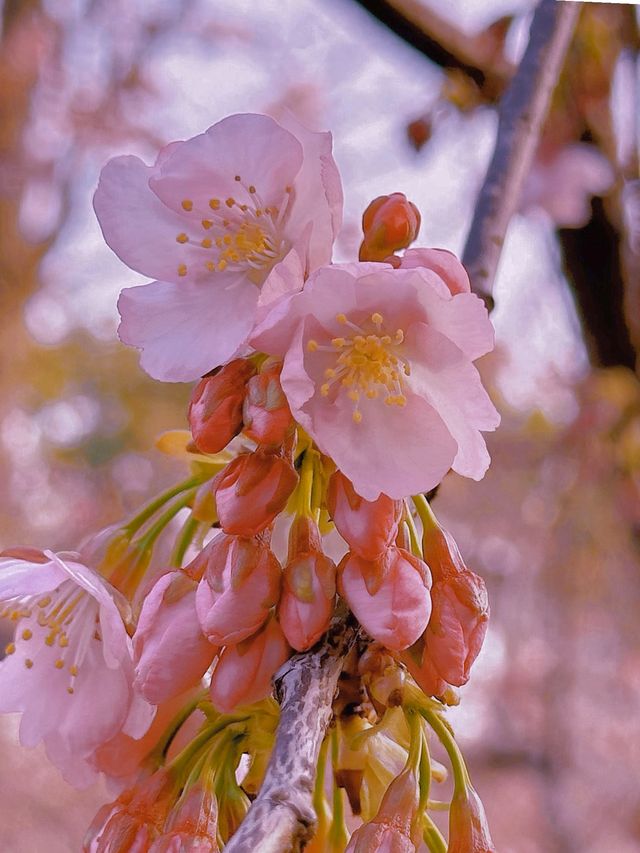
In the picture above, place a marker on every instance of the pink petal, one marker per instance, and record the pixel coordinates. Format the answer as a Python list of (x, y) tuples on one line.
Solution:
[(254, 147), (442, 262), (22, 578), (184, 330), (139, 228), (445, 377)]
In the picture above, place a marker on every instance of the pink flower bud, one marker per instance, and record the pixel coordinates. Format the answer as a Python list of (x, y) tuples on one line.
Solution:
[(369, 527), (252, 490), (309, 587), (422, 670), (243, 673), (393, 829), (266, 414), (389, 596), (170, 651), (460, 614), (468, 827), (458, 625), (215, 410), (241, 583), (192, 825), (389, 223)]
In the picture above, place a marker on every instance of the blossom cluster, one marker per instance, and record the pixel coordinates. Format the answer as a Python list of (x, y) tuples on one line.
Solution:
[(330, 398)]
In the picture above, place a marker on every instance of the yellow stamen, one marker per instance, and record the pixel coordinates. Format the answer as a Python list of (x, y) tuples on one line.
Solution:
[(10, 649), (182, 238), (27, 634), (214, 203), (206, 243), (187, 204), (206, 224), (312, 345), (182, 269)]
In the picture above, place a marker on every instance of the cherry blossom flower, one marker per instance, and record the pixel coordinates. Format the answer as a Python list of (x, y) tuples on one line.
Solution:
[(69, 669), (378, 370), (210, 220)]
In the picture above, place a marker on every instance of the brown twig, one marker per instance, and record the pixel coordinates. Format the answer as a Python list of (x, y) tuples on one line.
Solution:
[(521, 115), (282, 819)]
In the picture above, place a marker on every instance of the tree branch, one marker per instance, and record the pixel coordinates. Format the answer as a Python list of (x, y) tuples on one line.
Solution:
[(282, 819), (521, 115), (443, 43)]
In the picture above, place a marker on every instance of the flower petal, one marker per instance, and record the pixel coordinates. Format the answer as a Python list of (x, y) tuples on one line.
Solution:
[(184, 330)]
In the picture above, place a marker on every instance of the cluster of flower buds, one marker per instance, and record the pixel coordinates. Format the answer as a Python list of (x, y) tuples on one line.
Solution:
[(329, 400)]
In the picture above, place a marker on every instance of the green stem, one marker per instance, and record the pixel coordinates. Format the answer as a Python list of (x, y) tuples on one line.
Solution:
[(145, 514), (413, 533), (460, 773), (425, 775), (428, 519), (319, 799), (433, 837), (183, 540), (147, 541), (415, 744)]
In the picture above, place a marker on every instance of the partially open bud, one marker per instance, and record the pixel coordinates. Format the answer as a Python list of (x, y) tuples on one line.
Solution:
[(170, 651), (266, 414), (468, 827), (395, 828), (241, 582), (252, 490), (243, 673), (215, 410), (389, 223), (422, 670), (369, 527), (382, 676), (192, 825), (309, 587), (389, 596)]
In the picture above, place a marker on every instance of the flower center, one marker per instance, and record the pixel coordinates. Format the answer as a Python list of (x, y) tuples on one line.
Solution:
[(367, 363), (71, 617), (238, 234)]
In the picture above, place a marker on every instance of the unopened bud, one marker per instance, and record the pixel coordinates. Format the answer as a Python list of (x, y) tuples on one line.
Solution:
[(389, 223), (252, 490), (215, 410), (468, 827), (266, 414)]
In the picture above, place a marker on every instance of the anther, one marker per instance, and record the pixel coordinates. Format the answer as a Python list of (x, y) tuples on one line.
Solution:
[(341, 318), (338, 342), (210, 266), (230, 201), (376, 318), (312, 345), (357, 416), (214, 203), (182, 269), (70, 690), (252, 190), (28, 663), (206, 243), (27, 634), (237, 178), (324, 389), (73, 669), (187, 204), (10, 649), (222, 265), (59, 664), (206, 224), (182, 238)]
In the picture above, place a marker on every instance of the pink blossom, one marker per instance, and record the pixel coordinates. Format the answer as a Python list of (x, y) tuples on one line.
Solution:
[(468, 827), (241, 582), (389, 596), (394, 829), (243, 673), (378, 370), (210, 220), (170, 651), (69, 669)]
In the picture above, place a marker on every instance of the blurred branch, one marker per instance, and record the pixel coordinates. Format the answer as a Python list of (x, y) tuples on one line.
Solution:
[(282, 815), (443, 43), (521, 114)]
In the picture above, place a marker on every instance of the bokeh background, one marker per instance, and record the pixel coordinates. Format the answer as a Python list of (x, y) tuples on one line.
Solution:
[(551, 719)]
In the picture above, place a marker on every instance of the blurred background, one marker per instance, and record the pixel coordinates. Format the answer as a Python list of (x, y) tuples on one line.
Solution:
[(551, 719)]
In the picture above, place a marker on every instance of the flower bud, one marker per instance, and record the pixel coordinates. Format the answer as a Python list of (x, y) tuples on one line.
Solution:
[(192, 825), (309, 587), (171, 653), (241, 582), (252, 490), (266, 414), (394, 829), (389, 223), (215, 410), (422, 670), (389, 596), (460, 614), (369, 527), (243, 673), (458, 625), (468, 827)]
